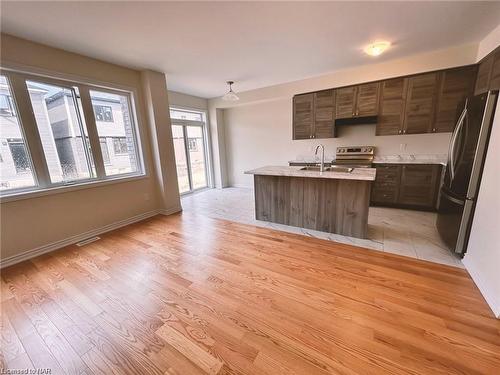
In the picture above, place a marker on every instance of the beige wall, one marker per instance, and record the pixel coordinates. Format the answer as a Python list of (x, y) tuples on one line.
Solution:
[(32, 223), (482, 259), (187, 101), (257, 130)]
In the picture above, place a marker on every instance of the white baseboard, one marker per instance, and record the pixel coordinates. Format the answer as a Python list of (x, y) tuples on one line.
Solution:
[(491, 298), (9, 261)]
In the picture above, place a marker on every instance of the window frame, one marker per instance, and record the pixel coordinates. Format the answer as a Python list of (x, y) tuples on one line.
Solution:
[(43, 185)]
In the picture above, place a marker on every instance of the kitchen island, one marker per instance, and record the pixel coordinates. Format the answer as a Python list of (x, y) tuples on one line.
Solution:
[(334, 201)]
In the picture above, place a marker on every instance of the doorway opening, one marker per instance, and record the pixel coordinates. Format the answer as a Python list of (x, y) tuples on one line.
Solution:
[(189, 135)]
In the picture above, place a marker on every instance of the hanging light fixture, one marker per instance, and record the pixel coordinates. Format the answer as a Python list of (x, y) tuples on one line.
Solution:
[(230, 95)]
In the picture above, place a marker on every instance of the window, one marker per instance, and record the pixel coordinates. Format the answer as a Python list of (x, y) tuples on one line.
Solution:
[(122, 128), (104, 150), (192, 145), (103, 113), (63, 134), (120, 145), (16, 170), (6, 105), (58, 128), (19, 155)]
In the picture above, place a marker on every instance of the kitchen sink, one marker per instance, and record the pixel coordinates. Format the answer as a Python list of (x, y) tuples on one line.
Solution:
[(316, 168)]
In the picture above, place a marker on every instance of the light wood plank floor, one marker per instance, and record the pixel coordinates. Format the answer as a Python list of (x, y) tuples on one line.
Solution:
[(185, 294)]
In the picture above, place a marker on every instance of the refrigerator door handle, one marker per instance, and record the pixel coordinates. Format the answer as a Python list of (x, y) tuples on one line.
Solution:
[(451, 152), (452, 199)]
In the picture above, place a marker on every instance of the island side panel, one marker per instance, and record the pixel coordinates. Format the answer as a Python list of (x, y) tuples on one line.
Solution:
[(352, 204), (278, 199), (329, 205)]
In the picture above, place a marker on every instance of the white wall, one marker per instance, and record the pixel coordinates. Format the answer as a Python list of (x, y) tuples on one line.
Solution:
[(261, 134), (482, 259), (258, 129)]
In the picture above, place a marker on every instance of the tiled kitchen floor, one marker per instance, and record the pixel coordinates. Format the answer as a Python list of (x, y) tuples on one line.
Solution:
[(404, 232)]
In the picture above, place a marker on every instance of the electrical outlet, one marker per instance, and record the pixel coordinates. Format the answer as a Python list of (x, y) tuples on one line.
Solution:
[(402, 147)]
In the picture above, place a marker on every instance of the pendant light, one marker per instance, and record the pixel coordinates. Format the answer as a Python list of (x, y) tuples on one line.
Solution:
[(230, 95)]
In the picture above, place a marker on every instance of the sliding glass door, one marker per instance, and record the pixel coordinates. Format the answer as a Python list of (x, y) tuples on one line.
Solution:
[(189, 136)]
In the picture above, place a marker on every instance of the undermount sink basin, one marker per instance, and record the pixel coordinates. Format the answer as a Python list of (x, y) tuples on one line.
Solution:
[(327, 169)]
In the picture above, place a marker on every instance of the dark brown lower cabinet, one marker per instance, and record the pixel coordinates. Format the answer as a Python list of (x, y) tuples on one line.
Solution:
[(406, 185)]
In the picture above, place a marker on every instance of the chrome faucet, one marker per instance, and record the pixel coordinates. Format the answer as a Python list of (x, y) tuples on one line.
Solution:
[(322, 165)]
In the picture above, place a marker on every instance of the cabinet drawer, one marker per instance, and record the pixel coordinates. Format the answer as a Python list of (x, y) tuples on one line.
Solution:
[(384, 196)]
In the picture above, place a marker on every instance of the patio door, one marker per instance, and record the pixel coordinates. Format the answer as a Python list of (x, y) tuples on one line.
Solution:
[(190, 147)]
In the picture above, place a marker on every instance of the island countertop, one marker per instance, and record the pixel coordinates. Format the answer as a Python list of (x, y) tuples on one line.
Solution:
[(360, 174)]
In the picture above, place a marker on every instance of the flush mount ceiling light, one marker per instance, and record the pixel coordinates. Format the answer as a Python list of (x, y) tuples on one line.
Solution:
[(376, 49), (230, 95)]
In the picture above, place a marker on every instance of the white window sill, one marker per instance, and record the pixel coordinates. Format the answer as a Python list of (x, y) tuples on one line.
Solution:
[(15, 196)]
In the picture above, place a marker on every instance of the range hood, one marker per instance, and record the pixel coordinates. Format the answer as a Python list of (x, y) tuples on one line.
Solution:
[(365, 120)]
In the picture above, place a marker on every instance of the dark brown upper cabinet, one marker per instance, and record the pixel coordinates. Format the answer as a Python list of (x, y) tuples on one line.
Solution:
[(303, 116), (420, 102), (324, 114), (345, 105), (313, 115), (483, 75), (392, 106), (367, 97), (488, 75), (454, 86), (357, 101), (495, 72)]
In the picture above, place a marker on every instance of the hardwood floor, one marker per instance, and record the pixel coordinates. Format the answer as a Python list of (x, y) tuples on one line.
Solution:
[(185, 294)]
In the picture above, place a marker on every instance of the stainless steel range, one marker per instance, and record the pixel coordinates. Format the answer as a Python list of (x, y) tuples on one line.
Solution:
[(354, 156)]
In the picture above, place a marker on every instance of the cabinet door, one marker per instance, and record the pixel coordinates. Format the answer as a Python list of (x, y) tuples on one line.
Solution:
[(495, 72), (385, 189), (419, 185), (422, 90), (324, 114), (392, 106), (483, 75), (345, 102), (367, 99), (455, 86), (303, 116)]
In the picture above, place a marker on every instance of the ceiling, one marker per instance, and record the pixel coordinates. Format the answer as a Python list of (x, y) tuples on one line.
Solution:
[(200, 45)]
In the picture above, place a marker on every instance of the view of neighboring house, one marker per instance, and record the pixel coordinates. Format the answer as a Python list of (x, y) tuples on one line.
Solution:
[(61, 135)]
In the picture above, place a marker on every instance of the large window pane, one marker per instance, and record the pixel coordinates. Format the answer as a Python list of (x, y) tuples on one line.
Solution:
[(114, 122), (196, 156), (62, 133), (180, 158), (15, 164)]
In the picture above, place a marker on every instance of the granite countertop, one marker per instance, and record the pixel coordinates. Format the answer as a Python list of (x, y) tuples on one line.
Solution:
[(361, 174)]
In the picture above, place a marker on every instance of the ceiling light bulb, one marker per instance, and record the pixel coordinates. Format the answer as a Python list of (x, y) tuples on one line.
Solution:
[(377, 48), (230, 95)]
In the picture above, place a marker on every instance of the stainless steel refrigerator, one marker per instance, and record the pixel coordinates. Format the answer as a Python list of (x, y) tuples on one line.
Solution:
[(466, 155)]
